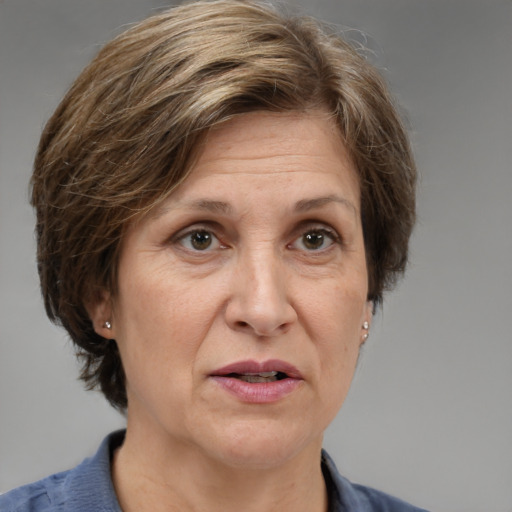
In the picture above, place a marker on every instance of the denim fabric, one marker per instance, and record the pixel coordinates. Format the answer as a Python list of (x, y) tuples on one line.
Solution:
[(89, 488), (347, 497)]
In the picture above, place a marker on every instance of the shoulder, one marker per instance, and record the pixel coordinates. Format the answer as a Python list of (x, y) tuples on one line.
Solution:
[(86, 487), (40, 496), (378, 501), (345, 496)]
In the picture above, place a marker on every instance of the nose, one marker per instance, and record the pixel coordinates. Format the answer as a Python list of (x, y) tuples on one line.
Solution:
[(259, 301)]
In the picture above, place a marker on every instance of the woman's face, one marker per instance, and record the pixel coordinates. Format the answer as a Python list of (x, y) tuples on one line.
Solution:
[(241, 300)]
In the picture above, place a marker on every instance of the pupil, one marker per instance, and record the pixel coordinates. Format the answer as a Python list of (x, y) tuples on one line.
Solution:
[(313, 240), (201, 240)]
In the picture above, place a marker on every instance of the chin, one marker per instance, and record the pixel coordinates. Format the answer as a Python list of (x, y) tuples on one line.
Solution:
[(263, 444)]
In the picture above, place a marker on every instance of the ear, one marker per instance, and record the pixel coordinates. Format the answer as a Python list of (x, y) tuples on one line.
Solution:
[(100, 312)]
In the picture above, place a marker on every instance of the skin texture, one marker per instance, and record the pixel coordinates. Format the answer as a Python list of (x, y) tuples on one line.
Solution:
[(258, 255)]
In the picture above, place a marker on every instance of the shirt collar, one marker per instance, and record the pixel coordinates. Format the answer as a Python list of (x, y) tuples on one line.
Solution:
[(89, 486)]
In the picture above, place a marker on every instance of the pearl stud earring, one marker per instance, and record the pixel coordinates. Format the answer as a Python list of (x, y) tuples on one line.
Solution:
[(107, 325), (366, 326)]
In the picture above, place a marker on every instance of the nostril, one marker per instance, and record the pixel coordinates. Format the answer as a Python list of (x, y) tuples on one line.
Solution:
[(242, 324)]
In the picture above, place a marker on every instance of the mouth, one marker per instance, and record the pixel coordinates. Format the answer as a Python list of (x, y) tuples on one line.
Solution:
[(259, 372), (257, 378), (258, 382)]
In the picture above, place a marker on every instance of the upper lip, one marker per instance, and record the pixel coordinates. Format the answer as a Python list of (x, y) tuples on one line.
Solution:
[(255, 367)]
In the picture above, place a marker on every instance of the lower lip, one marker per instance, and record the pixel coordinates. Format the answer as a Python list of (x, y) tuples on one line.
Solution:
[(258, 392)]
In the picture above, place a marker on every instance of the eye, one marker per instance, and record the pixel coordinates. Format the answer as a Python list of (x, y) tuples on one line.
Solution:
[(315, 240), (199, 240)]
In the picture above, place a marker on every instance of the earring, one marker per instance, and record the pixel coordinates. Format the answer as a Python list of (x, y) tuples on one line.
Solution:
[(107, 325), (366, 326)]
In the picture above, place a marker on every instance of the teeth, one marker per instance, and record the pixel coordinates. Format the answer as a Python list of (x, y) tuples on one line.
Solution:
[(264, 374), (253, 379)]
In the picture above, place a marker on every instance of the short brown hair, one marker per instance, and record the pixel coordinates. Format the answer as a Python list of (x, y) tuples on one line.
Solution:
[(125, 134)]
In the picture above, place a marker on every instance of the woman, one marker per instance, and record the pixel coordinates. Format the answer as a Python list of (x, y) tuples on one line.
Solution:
[(222, 198)]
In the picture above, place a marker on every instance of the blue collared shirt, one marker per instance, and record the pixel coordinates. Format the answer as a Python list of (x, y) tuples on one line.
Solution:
[(89, 488)]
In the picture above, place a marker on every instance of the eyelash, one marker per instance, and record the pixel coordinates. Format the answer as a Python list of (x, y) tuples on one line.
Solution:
[(323, 231), (207, 231)]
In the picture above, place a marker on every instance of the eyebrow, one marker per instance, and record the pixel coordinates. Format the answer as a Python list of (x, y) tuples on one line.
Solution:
[(304, 205), (206, 205), (210, 206)]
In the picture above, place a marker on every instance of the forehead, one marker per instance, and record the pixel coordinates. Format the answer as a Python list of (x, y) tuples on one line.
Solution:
[(294, 154), (268, 135), (263, 144)]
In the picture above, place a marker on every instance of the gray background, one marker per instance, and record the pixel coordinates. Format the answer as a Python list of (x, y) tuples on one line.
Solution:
[(429, 416)]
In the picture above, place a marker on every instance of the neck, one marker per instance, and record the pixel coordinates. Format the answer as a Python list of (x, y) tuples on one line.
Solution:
[(160, 477)]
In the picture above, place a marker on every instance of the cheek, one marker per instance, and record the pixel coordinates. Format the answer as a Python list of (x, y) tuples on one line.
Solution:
[(335, 323), (163, 319)]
